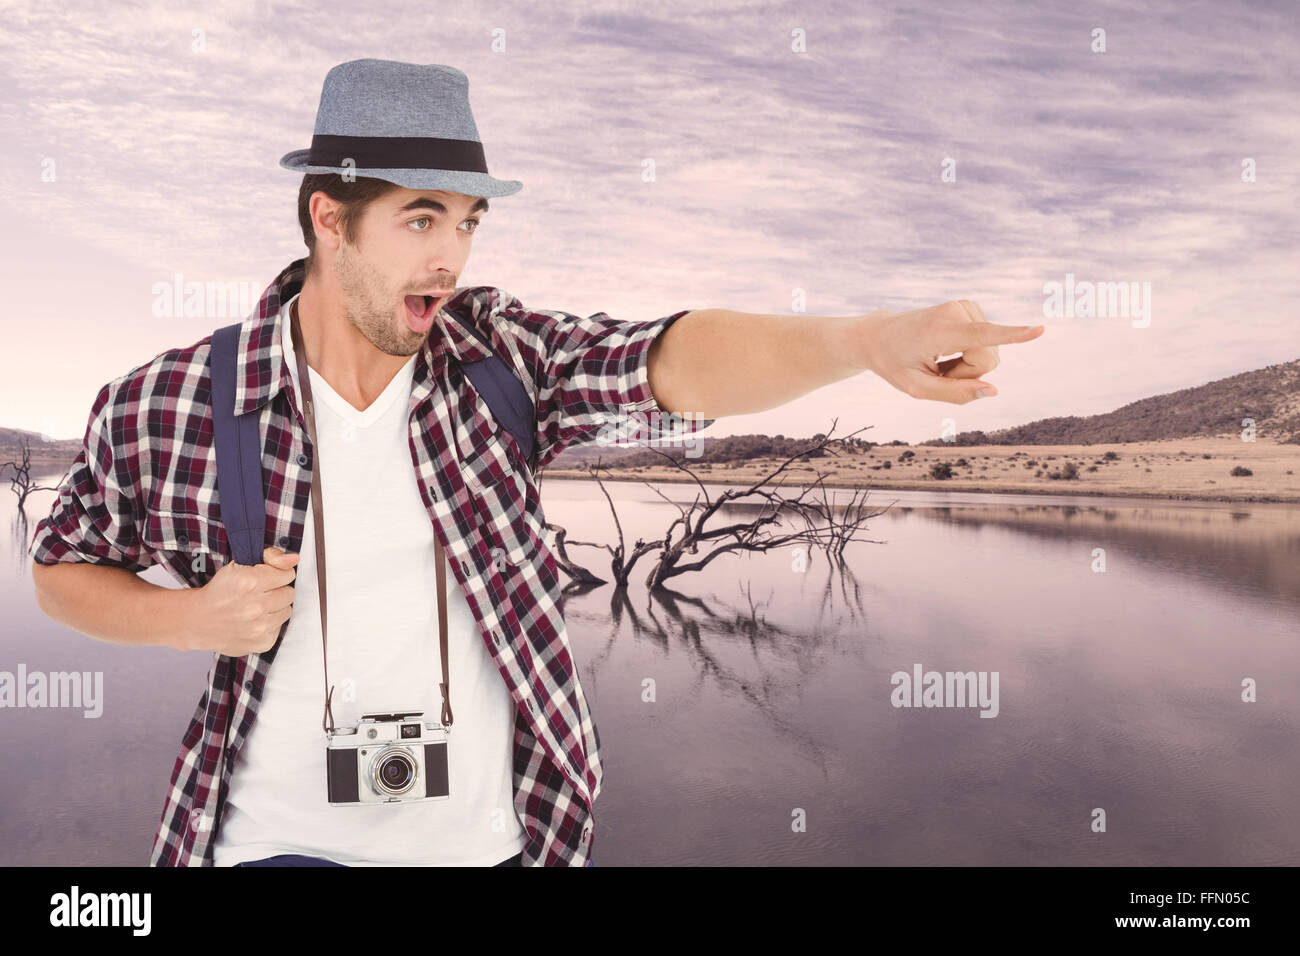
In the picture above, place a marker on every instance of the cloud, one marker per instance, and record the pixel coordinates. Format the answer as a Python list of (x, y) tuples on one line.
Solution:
[(773, 170)]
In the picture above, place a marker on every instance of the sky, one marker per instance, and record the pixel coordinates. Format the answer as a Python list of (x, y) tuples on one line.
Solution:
[(827, 158)]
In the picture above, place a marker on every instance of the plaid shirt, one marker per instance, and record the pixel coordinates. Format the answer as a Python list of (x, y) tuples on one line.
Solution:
[(143, 491)]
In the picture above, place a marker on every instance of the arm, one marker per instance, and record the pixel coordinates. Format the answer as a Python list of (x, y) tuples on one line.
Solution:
[(87, 552), (114, 604), (590, 372), (710, 360), (720, 362)]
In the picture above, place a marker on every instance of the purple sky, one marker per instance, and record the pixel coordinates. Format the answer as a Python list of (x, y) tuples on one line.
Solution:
[(778, 174)]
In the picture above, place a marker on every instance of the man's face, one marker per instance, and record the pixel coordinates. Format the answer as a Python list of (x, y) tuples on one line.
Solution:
[(411, 247)]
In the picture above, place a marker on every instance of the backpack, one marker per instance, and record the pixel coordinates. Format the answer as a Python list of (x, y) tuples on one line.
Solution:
[(241, 497)]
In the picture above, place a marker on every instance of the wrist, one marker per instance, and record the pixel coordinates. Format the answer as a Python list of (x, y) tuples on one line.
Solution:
[(863, 340), (181, 615)]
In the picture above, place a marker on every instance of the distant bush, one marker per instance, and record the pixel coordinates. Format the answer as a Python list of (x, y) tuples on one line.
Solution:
[(1111, 456), (941, 470), (1240, 472)]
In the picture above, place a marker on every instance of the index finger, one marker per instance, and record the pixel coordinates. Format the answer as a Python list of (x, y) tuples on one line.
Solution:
[(959, 337)]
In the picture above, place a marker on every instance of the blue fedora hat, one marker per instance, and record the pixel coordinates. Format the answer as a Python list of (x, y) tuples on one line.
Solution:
[(407, 123)]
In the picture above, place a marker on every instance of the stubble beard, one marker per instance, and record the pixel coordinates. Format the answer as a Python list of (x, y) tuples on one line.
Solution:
[(369, 305)]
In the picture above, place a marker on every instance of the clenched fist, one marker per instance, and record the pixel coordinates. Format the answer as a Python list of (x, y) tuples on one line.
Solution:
[(241, 610)]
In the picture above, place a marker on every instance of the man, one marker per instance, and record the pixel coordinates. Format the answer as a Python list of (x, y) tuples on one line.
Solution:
[(410, 462)]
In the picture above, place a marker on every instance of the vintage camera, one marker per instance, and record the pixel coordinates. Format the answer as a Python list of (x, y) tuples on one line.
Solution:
[(387, 758)]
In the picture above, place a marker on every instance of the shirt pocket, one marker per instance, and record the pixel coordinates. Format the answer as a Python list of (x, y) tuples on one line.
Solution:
[(192, 546), (491, 460)]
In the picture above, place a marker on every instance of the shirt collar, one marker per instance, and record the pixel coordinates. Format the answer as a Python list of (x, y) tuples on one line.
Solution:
[(264, 372)]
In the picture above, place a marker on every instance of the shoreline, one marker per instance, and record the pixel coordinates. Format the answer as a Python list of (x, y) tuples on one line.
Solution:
[(1064, 487)]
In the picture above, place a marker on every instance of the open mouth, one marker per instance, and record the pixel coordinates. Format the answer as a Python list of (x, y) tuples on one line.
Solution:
[(420, 311)]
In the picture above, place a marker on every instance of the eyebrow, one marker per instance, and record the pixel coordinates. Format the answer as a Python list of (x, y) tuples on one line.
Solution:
[(424, 202)]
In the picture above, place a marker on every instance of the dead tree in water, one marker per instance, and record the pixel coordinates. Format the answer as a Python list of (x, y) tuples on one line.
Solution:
[(689, 531), (21, 482)]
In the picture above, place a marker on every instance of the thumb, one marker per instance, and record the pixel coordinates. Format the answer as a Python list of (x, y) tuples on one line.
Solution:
[(954, 390), (278, 557)]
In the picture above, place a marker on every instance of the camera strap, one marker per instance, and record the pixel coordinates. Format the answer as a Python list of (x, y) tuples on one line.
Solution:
[(318, 522)]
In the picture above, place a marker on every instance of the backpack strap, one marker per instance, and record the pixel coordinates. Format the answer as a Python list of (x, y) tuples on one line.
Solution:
[(505, 395), (240, 496)]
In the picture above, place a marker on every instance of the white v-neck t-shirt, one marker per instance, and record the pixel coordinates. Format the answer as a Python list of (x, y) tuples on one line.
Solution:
[(383, 658)]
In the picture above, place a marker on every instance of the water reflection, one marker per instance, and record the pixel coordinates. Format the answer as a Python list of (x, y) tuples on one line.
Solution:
[(772, 693)]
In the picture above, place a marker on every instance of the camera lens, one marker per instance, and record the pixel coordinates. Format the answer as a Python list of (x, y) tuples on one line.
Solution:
[(395, 772)]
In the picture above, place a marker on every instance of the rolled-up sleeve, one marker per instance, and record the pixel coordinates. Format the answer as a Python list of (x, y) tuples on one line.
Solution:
[(592, 373), (93, 518)]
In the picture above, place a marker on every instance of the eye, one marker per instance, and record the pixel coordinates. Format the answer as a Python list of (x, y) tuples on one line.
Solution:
[(429, 219)]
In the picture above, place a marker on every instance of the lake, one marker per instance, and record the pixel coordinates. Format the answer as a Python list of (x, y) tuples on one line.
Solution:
[(773, 736)]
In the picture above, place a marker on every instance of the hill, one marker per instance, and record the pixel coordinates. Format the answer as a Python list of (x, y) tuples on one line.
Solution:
[(1270, 396)]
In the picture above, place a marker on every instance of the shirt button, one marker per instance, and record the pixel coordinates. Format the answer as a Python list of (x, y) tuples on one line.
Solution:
[(496, 638), (303, 459), (182, 539), (464, 567), (284, 541), (248, 684)]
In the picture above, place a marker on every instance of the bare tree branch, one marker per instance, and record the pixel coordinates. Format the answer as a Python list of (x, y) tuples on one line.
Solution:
[(825, 525), (21, 482)]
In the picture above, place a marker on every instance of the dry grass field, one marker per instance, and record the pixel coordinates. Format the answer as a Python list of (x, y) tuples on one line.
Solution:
[(1187, 468)]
